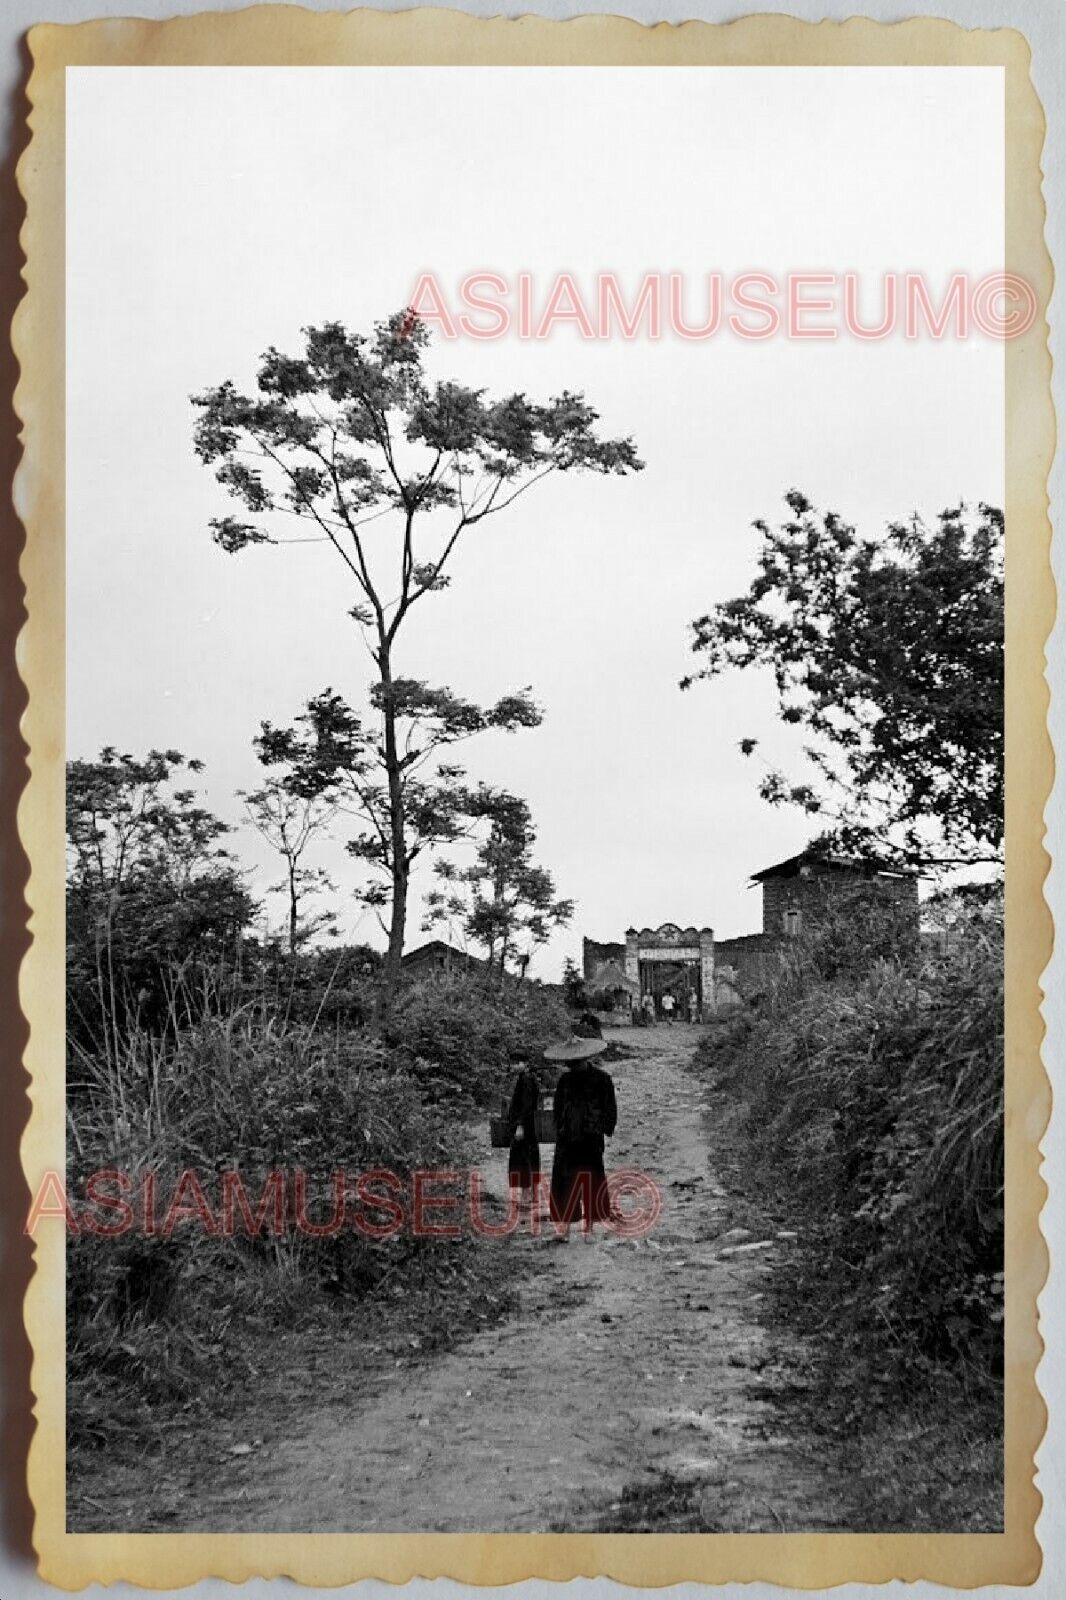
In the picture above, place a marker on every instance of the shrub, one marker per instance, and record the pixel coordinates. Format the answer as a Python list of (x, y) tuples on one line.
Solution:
[(874, 1101), (457, 1034), (332, 988), (238, 1091), (246, 1087), (151, 894)]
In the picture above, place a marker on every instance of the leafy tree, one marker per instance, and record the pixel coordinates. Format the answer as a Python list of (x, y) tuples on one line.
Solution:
[(888, 654), (331, 756), (124, 817), (152, 894), (352, 431), (289, 822), (502, 901), (573, 984)]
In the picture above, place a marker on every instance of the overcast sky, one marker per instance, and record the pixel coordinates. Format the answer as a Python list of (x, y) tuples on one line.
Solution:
[(213, 212)]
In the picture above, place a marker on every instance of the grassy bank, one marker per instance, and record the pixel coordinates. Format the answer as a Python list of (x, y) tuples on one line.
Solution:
[(181, 1321), (861, 1100)]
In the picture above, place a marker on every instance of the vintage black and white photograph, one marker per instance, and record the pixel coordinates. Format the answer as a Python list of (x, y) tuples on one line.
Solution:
[(535, 799)]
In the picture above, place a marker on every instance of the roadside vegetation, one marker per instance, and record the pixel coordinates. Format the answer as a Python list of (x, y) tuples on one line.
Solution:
[(866, 1085), (183, 1318), (865, 1091), (198, 1044)]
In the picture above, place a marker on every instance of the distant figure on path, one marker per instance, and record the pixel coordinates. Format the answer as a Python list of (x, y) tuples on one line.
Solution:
[(586, 1114), (693, 1007), (668, 1007), (523, 1161), (647, 1005), (588, 1027)]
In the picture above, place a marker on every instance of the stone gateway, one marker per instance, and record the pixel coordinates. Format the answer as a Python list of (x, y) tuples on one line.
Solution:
[(797, 895)]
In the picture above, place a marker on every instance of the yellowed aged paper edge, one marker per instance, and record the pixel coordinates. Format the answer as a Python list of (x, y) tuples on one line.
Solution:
[(280, 35)]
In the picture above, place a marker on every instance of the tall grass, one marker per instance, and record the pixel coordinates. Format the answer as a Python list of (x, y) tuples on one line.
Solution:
[(223, 1084), (872, 1095)]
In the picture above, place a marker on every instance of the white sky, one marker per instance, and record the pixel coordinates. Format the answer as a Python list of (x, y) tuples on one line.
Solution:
[(213, 212)]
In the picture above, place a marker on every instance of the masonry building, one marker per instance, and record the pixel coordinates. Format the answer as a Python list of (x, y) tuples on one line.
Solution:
[(797, 895)]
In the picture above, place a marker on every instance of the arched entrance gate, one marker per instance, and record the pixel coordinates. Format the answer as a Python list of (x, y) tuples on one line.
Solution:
[(673, 960)]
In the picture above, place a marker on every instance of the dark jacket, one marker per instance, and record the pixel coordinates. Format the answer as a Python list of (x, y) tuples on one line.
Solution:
[(522, 1124), (585, 1094), (579, 1184)]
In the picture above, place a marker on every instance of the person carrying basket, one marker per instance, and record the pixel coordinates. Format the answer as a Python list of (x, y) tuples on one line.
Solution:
[(523, 1160)]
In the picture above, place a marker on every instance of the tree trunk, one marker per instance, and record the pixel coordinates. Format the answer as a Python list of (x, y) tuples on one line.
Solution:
[(398, 842), (293, 906)]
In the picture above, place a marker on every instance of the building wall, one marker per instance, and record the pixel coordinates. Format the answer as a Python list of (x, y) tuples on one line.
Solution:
[(751, 960), (727, 995), (595, 956), (819, 888)]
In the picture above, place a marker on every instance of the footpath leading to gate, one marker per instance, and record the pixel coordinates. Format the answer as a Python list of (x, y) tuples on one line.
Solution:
[(632, 1367)]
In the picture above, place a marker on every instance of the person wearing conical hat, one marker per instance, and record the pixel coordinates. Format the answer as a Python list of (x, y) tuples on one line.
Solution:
[(586, 1114)]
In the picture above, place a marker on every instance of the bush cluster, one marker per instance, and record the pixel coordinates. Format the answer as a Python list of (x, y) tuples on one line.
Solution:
[(456, 1035), (252, 1086), (873, 1100)]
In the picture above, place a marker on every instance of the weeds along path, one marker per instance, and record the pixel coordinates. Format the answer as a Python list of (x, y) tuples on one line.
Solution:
[(631, 1365)]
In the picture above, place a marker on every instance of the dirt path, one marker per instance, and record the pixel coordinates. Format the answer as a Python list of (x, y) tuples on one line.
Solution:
[(633, 1363)]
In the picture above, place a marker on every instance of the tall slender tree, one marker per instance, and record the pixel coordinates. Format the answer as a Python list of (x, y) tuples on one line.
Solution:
[(289, 821), (352, 433)]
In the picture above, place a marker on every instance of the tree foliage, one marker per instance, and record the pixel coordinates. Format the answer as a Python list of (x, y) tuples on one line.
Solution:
[(330, 755), (352, 431), (503, 902), (289, 822), (888, 655), (151, 891), (574, 984)]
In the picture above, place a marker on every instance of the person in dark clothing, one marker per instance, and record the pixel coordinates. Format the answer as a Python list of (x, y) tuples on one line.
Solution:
[(523, 1161), (586, 1114)]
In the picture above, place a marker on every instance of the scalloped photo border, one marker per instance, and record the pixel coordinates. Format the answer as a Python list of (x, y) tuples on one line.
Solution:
[(288, 36)]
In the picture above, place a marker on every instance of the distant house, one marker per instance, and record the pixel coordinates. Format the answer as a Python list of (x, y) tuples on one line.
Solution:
[(438, 960), (800, 891), (798, 894)]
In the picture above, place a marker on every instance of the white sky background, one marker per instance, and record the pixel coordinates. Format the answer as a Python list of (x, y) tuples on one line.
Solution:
[(213, 212)]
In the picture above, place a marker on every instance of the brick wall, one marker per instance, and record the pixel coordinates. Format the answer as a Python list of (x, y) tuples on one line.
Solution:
[(812, 896)]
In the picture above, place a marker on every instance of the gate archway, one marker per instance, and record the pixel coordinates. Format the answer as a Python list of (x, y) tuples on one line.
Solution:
[(675, 960)]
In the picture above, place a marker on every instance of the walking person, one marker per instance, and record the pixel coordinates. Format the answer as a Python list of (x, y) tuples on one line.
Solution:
[(668, 1007), (647, 1005), (693, 1007), (523, 1160), (586, 1113)]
